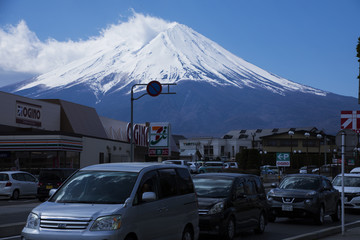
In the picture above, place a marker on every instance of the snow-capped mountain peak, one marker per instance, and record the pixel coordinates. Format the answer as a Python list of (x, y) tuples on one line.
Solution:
[(175, 54)]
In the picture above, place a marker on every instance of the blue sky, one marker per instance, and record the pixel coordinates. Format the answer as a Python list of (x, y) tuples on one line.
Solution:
[(312, 42)]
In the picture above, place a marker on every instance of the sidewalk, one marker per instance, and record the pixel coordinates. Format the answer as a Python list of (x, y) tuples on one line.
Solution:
[(352, 232)]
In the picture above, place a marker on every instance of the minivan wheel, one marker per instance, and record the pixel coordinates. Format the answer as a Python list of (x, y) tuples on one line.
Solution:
[(15, 195), (319, 219), (230, 229), (261, 224), (337, 214), (188, 234)]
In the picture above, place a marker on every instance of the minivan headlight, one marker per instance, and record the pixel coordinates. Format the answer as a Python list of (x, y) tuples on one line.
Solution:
[(217, 208), (107, 223), (33, 221)]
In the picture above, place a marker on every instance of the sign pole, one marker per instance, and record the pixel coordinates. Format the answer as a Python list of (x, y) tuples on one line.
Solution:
[(342, 182)]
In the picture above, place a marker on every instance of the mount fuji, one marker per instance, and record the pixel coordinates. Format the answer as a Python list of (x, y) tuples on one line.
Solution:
[(216, 91)]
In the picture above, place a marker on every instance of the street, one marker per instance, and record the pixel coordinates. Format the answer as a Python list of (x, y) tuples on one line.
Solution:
[(15, 212)]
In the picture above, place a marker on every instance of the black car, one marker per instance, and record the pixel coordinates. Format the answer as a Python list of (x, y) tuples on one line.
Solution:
[(50, 178), (230, 203), (304, 196)]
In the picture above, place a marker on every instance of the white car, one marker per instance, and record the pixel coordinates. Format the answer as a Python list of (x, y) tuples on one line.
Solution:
[(351, 189), (231, 165), (178, 162), (14, 184), (194, 167), (355, 170)]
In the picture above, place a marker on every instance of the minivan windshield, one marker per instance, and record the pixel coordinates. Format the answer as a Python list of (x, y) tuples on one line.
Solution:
[(96, 187), (212, 187)]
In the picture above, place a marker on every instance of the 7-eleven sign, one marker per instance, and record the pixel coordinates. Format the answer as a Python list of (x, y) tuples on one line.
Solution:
[(350, 120)]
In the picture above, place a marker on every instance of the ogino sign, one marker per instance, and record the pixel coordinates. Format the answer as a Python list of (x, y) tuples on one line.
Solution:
[(283, 159)]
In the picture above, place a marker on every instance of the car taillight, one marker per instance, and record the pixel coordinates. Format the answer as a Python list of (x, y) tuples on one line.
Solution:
[(58, 184), (8, 184), (40, 184)]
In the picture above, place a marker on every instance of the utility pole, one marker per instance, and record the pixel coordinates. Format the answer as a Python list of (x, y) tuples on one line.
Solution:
[(358, 56)]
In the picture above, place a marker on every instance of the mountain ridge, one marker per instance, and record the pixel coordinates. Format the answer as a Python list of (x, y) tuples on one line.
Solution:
[(216, 91)]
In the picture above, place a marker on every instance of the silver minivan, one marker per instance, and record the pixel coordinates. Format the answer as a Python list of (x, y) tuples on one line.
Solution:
[(122, 201)]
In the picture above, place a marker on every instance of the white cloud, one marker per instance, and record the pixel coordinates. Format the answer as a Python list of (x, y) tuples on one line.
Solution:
[(21, 51)]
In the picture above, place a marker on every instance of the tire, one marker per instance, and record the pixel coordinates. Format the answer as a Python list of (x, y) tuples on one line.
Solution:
[(130, 237), (337, 214), (188, 234), (15, 195), (261, 224), (320, 216), (229, 231)]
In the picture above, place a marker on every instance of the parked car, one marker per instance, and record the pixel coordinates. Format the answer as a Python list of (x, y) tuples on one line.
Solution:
[(15, 184), (355, 170), (50, 178), (178, 162), (230, 202), (304, 195), (309, 169), (351, 189), (119, 201), (211, 166), (268, 169), (231, 165), (194, 167)]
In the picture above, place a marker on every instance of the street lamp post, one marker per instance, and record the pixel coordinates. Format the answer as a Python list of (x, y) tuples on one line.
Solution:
[(262, 153), (291, 133), (319, 136), (307, 135)]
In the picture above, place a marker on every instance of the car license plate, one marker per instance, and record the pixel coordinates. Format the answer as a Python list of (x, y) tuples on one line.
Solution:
[(287, 207), (49, 187)]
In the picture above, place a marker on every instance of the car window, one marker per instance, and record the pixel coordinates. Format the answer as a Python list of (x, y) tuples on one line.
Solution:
[(167, 179), (147, 184), (18, 176), (184, 180), (96, 187), (212, 187), (259, 186), (239, 189), (349, 181), (29, 178), (4, 177), (307, 183), (327, 184), (250, 188)]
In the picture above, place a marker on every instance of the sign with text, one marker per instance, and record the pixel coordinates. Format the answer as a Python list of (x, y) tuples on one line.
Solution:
[(159, 139), (28, 114), (283, 159)]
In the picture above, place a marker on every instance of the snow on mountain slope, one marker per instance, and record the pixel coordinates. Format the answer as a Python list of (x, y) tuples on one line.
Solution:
[(175, 54)]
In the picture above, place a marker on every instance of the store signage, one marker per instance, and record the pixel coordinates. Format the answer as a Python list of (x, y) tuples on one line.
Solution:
[(28, 114), (159, 139), (350, 120), (141, 134)]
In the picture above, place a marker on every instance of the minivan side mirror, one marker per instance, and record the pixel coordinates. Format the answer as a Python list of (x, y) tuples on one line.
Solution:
[(149, 196)]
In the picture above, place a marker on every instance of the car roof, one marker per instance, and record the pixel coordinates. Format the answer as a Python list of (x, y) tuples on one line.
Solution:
[(10, 172), (349, 175), (128, 166), (223, 174), (309, 175)]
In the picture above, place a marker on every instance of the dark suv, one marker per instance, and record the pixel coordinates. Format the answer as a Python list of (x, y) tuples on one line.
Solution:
[(50, 178), (305, 195), (229, 202)]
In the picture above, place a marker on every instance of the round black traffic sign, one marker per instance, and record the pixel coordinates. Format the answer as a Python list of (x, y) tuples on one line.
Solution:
[(154, 88)]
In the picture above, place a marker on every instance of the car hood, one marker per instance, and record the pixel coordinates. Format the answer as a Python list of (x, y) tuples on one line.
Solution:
[(290, 192), (206, 203), (348, 189), (76, 210)]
